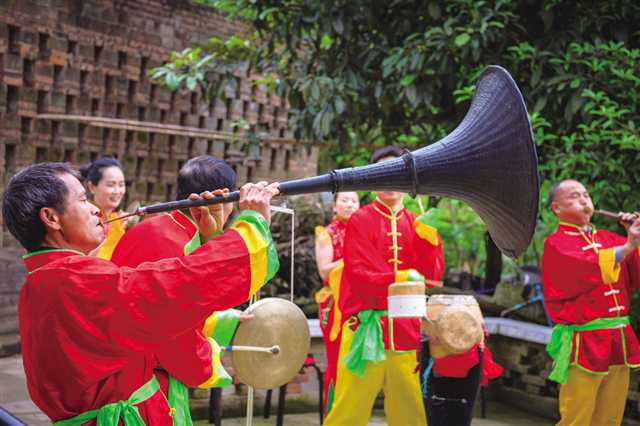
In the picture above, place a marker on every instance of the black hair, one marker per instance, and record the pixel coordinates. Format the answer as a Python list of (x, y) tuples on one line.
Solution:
[(204, 173), (28, 191), (92, 172), (553, 191), (387, 151)]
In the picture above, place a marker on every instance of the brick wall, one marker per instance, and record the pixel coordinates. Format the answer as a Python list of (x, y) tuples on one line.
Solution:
[(91, 57), (524, 383)]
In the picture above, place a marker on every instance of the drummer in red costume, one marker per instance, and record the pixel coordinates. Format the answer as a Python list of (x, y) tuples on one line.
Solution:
[(453, 381), (384, 243), (88, 328), (588, 276), (329, 246), (194, 358)]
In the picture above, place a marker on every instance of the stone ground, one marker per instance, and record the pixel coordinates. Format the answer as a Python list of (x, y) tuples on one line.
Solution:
[(497, 415), (15, 399)]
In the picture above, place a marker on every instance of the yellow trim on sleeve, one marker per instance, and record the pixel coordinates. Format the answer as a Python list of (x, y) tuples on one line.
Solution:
[(258, 251), (219, 376), (210, 324), (609, 270), (321, 231), (427, 232), (115, 231), (322, 295), (335, 276)]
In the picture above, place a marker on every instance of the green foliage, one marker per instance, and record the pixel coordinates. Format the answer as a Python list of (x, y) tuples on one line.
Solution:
[(362, 74), (585, 115), (462, 230), (212, 66)]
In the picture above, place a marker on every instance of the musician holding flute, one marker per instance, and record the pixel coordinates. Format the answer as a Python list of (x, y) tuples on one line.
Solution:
[(588, 276), (88, 328)]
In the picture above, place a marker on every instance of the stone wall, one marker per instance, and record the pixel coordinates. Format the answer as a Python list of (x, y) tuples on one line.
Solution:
[(525, 383), (91, 57)]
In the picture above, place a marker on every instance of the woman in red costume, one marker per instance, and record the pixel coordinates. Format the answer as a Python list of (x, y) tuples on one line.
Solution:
[(329, 245)]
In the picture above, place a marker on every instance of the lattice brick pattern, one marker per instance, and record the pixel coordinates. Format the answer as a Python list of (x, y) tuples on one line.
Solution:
[(92, 58)]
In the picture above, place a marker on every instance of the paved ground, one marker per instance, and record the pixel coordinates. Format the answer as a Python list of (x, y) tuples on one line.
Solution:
[(15, 399), (13, 393), (497, 415)]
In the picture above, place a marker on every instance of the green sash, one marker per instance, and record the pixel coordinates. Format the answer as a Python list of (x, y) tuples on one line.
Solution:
[(110, 414), (561, 344), (178, 397), (366, 345)]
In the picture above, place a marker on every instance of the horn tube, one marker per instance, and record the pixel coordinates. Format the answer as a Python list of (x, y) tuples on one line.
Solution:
[(489, 161)]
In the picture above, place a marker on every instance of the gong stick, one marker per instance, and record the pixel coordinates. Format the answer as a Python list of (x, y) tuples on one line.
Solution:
[(275, 349)]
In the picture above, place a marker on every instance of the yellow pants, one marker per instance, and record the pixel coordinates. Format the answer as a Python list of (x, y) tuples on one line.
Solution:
[(594, 399), (355, 396)]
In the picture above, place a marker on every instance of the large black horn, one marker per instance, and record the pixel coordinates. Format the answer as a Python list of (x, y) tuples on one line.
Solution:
[(489, 161)]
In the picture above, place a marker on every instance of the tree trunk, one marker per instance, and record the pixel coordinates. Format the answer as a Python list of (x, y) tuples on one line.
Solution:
[(493, 263)]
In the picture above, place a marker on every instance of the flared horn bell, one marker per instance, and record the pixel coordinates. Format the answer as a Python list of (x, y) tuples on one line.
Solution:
[(489, 161)]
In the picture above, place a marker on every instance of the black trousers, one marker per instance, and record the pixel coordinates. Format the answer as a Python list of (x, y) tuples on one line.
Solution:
[(449, 400)]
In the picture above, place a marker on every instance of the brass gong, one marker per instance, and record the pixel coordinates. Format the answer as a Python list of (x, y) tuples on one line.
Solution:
[(276, 323)]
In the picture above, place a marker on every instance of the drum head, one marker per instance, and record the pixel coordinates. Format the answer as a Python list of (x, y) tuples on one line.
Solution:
[(452, 299), (276, 322), (458, 330), (406, 288)]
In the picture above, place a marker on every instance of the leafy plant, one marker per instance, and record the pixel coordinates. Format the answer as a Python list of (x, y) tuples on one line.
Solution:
[(462, 232), (363, 74)]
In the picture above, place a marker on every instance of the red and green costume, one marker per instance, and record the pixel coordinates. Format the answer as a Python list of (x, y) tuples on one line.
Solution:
[(327, 310), (582, 283), (587, 294), (381, 247), (194, 358), (90, 330)]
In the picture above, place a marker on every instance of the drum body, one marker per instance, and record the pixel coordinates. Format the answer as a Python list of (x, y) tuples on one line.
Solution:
[(454, 323), (406, 300)]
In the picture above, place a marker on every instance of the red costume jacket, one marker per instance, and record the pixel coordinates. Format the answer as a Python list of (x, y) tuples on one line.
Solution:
[(337, 230), (89, 329), (581, 283), (190, 357), (379, 248)]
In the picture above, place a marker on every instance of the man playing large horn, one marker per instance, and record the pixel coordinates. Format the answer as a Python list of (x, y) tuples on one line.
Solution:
[(587, 277), (88, 328)]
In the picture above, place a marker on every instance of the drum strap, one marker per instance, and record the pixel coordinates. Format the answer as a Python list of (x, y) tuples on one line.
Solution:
[(425, 377), (561, 344)]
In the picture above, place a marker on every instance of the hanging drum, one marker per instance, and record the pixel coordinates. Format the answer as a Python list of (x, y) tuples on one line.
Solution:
[(269, 350), (455, 324)]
